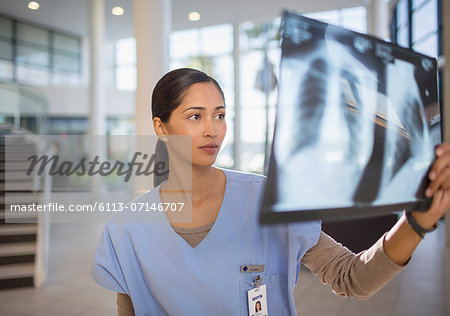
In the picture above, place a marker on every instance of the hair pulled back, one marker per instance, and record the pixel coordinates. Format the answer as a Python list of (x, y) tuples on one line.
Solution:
[(167, 95), (171, 89)]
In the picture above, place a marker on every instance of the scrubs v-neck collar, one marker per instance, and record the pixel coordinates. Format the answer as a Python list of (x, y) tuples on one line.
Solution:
[(215, 242)]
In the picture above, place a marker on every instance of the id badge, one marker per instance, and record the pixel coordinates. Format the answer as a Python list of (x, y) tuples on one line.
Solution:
[(257, 300)]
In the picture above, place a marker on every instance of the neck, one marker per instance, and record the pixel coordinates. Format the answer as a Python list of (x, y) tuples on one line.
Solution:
[(205, 181), (196, 182)]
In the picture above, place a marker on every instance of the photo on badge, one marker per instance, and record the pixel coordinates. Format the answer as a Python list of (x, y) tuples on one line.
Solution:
[(257, 301)]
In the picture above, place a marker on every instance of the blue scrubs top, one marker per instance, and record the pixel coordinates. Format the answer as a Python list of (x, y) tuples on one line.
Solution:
[(164, 275)]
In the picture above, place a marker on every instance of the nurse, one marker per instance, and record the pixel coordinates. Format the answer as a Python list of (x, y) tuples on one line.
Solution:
[(222, 257)]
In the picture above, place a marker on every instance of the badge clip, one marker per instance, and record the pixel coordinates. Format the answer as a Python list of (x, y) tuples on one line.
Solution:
[(258, 281)]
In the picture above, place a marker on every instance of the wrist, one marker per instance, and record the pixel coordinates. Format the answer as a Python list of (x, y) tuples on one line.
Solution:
[(425, 219), (422, 225)]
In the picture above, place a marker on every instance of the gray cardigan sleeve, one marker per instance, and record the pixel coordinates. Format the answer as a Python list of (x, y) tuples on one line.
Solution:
[(355, 275)]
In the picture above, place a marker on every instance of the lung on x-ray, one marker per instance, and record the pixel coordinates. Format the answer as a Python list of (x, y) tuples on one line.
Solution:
[(357, 123)]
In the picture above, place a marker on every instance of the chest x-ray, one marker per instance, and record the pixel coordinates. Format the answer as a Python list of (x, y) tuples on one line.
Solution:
[(357, 122)]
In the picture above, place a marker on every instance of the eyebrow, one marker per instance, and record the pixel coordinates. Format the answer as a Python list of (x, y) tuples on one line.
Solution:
[(203, 108)]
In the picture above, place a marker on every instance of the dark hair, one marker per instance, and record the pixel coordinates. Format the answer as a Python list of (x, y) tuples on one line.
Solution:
[(167, 95), (256, 306), (170, 90)]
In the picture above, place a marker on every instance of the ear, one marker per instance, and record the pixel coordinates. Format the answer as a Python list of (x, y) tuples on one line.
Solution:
[(159, 126)]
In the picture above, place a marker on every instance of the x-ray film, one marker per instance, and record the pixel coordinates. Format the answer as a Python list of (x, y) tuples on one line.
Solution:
[(357, 122)]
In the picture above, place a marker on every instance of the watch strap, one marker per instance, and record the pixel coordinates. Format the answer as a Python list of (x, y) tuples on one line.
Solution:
[(416, 227)]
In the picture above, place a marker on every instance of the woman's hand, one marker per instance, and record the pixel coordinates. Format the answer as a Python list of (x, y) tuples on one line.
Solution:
[(401, 240), (438, 188)]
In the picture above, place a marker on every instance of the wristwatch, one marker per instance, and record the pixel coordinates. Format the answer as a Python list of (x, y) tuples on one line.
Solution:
[(416, 227)]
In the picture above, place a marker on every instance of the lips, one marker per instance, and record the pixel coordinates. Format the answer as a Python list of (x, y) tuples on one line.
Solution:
[(210, 148)]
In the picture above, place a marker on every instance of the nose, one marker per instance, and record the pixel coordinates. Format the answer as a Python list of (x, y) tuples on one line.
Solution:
[(209, 128)]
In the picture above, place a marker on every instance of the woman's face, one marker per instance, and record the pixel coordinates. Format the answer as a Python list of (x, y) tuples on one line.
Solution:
[(202, 116)]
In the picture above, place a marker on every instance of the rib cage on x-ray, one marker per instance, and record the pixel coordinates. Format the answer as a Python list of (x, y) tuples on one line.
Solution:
[(334, 111), (352, 127), (328, 88), (415, 141)]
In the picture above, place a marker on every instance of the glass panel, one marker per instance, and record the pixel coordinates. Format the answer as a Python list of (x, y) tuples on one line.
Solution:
[(32, 34), (66, 63), (223, 72), (66, 43), (354, 19), (325, 16), (351, 18), (251, 36), (32, 75), (31, 55), (217, 40), (257, 112), (424, 20), (416, 3), (403, 36), (275, 33), (121, 126), (258, 35), (184, 44), (6, 70), (6, 50), (126, 78), (428, 47), (5, 27), (251, 62), (402, 13), (253, 130), (57, 125), (175, 64), (274, 57), (65, 79), (126, 51)]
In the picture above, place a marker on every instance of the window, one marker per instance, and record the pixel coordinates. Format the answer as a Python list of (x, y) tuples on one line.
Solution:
[(351, 18), (125, 60), (417, 25), (35, 55), (211, 49), (259, 65), (420, 22), (6, 49)]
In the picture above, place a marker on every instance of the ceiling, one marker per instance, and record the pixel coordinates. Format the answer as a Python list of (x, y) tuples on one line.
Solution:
[(72, 15)]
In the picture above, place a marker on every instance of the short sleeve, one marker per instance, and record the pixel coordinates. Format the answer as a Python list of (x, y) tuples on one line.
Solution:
[(106, 270), (303, 236)]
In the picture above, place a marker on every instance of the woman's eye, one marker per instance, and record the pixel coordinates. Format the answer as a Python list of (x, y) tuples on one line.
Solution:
[(194, 117), (221, 116)]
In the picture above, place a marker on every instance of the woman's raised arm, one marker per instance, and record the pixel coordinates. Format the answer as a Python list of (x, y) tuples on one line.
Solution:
[(402, 239)]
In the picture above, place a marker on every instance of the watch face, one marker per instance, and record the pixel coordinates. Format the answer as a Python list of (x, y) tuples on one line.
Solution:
[(357, 122)]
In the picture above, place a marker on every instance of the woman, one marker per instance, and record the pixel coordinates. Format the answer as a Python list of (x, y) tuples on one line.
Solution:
[(189, 268), (258, 306)]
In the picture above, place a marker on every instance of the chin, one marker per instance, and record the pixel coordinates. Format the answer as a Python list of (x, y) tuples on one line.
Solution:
[(204, 162)]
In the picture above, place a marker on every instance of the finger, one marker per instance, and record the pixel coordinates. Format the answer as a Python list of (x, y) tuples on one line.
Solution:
[(440, 204), (441, 181), (441, 149), (442, 161)]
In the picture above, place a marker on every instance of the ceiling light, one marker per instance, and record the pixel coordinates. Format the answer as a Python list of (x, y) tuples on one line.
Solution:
[(194, 16), (117, 11), (33, 5)]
